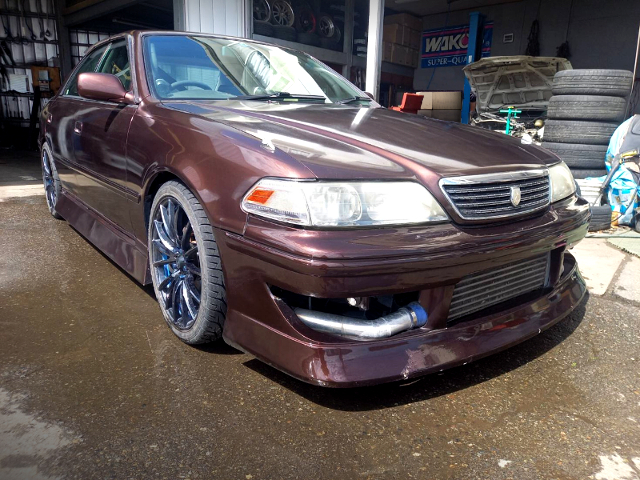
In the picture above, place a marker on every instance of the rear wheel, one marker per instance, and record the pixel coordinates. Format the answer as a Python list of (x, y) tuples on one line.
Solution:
[(51, 180), (185, 266)]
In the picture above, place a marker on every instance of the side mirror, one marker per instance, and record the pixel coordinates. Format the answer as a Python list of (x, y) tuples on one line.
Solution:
[(102, 86), (370, 95)]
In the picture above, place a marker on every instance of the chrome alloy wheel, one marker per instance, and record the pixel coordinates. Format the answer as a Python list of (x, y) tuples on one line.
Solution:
[(49, 181), (176, 263), (282, 13)]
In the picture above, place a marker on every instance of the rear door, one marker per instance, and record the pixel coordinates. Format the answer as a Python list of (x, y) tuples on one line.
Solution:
[(100, 130)]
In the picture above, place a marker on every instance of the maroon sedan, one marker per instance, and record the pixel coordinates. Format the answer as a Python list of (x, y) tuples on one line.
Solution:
[(273, 204)]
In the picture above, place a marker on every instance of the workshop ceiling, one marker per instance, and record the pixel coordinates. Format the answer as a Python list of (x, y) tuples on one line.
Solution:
[(422, 8)]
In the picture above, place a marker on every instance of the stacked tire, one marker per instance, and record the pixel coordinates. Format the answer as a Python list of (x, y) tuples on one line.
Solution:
[(584, 111)]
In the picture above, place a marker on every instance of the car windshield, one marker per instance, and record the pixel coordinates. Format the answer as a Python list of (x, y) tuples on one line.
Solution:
[(201, 67)]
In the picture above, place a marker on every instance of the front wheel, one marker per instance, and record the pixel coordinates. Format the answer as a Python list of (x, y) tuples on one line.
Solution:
[(185, 265), (51, 180)]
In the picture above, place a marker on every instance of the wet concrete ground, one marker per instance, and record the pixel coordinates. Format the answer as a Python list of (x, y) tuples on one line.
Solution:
[(94, 385)]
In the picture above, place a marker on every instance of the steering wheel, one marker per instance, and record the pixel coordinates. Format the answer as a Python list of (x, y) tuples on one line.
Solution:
[(190, 83)]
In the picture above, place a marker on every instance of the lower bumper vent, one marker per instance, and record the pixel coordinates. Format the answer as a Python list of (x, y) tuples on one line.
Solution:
[(485, 289)]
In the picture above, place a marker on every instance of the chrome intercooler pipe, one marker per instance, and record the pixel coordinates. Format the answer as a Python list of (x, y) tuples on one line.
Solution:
[(406, 318)]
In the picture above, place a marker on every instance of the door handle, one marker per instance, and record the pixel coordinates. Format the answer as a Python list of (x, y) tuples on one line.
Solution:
[(77, 128)]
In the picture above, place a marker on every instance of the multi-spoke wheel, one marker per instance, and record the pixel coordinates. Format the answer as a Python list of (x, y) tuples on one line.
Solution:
[(50, 180), (282, 13), (185, 265)]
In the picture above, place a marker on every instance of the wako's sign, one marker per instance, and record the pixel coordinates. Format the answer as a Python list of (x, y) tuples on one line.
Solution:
[(445, 47)]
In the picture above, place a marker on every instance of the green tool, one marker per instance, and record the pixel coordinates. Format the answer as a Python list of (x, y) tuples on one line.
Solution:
[(511, 113)]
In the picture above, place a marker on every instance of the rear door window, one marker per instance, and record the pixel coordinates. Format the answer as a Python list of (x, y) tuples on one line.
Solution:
[(116, 62)]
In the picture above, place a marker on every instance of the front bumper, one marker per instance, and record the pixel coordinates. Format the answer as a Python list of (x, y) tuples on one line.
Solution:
[(429, 260)]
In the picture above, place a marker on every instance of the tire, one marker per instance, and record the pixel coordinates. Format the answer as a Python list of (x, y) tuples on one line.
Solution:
[(581, 174), (51, 180), (309, 39), (577, 155), (285, 33), (209, 321), (578, 131), (600, 218), (587, 107), (263, 28), (613, 83)]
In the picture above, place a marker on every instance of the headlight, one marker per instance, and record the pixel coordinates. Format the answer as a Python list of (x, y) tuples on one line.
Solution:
[(342, 204), (562, 182)]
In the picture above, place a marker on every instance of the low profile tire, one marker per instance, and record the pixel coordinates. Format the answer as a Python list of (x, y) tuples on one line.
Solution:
[(577, 131), (185, 266), (51, 180), (581, 174), (600, 218), (587, 107), (577, 155), (614, 83), (262, 28), (284, 32), (309, 39)]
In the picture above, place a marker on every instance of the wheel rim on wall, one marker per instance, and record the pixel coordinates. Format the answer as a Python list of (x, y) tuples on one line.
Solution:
[(176, 263), (261, 10), (282, 13), (326, 26), (49, 181)]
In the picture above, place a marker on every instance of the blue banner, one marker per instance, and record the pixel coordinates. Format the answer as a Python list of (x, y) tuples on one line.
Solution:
[(447, 47)]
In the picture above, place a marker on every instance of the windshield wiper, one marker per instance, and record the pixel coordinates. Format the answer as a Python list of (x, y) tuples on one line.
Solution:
[(346, 101), (279, 95)]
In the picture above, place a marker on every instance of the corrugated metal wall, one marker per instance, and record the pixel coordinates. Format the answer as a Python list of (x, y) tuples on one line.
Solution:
[(224, 17)]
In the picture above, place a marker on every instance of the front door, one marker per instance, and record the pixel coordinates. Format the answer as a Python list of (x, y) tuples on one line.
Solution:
[(100, 132)]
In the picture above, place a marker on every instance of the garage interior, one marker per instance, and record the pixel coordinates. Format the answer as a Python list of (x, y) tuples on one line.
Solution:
[(352, 36)]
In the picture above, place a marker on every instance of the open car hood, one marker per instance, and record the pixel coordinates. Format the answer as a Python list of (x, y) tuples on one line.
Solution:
[(520, 81)]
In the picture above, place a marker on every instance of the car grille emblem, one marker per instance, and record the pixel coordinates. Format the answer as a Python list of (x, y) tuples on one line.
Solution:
[(515, 196)]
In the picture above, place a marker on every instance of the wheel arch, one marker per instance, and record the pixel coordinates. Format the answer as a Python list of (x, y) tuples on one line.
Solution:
[(159, 178)]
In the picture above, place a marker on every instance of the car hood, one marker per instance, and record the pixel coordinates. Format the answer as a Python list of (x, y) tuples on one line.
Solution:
[(344, 142), (520, 81)]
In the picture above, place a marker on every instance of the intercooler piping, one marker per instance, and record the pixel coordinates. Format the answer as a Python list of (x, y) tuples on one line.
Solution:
[(406, 318)]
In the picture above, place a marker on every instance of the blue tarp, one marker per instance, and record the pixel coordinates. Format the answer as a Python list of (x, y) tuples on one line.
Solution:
[(623, 184)]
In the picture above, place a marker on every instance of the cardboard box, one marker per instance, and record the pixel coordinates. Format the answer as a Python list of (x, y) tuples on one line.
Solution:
[(399, 54), (414, 23), (415, 37), (448, 115), (401, 35), (447, 100), (413, 58), (386, 51), (427, 100)]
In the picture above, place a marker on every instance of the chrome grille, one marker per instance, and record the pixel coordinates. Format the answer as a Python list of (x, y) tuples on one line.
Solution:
[(484, 289), (489, 196)]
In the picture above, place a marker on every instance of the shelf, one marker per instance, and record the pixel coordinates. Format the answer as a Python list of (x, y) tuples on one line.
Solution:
[(16, 13), (16, 94), (323, 54)]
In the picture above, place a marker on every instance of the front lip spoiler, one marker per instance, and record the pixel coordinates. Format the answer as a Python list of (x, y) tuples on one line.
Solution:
[(411, 354)]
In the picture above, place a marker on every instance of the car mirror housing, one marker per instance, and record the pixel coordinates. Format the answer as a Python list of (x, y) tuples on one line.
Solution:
[(104, 87)]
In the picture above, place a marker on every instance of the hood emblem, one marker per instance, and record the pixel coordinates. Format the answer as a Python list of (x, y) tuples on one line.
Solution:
[(516, 195)]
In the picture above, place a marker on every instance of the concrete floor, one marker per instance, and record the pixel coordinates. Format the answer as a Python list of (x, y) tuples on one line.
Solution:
[(94, 385)]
